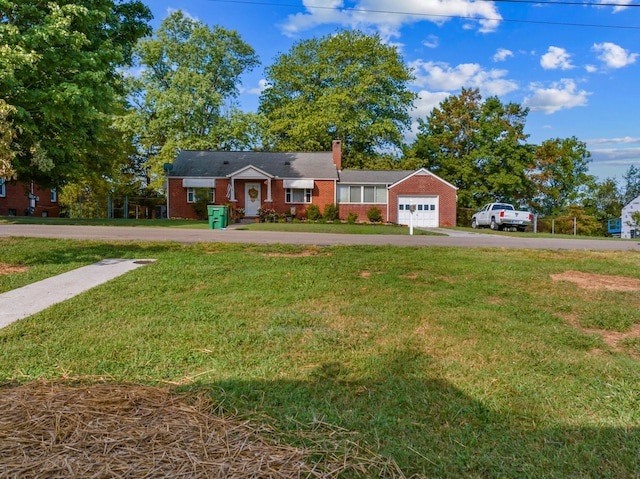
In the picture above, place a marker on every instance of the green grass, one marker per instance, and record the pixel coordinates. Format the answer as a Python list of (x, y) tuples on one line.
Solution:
[(455, 362), (531, 234), (337, 228), (36, 220)]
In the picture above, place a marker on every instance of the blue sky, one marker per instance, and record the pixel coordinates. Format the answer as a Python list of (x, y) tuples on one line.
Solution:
[(576, 67)]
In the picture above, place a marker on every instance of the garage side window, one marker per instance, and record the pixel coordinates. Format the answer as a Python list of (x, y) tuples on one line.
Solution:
[(3, 188), (362, 194)]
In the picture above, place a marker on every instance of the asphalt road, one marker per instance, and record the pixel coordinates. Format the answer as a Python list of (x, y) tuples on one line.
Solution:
[(233, 235)]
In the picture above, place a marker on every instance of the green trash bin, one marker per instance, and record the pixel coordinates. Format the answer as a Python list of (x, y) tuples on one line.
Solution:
[(218, 216)]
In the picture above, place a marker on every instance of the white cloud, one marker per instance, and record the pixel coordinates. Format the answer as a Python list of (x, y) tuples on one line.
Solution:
[(441, 76), (561, 95), (616, 156), (185, 14), (431, 42), (614, 56), (613, 141), (388, 16), (556, 58), (620, 4), (262, 84), (591, 68), (425, 103), (502, 54)]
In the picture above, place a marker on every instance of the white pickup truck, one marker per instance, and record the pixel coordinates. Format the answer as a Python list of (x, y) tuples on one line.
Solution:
[(498, 216)]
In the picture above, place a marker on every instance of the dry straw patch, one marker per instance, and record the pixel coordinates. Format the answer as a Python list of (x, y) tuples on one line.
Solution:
[(11, 268), (114, 430)]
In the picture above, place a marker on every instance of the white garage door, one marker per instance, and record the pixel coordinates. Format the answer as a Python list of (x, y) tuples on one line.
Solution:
[(425, 213)]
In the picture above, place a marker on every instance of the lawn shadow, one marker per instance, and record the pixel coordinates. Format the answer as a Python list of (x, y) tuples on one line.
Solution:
[(29, 252), (430, 427)]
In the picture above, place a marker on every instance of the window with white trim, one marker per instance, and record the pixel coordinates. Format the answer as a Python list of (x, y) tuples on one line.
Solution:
[(297, 195), (194, 194), (54, 195), (3, 188), (362, 194)]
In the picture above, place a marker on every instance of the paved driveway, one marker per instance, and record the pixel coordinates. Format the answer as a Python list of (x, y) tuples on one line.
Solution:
[(232, 235)]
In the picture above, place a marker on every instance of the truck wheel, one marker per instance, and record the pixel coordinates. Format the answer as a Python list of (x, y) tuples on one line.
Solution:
[(494, 226), (474, 223)]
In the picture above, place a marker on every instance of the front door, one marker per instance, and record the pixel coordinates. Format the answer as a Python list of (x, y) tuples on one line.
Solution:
[(251, 199)]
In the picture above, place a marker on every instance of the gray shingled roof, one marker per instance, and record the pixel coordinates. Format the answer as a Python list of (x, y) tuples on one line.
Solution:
[(220, 164), (379, 177)]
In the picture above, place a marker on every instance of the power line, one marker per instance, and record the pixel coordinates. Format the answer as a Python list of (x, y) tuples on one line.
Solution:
[(559, 2), (436, 15)]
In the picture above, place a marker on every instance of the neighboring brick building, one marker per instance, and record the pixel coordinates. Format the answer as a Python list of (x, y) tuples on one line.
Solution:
[(19, 199), (290, 182)]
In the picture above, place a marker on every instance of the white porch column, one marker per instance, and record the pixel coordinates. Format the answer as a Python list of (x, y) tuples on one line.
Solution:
[(268, 200), (233, 189)]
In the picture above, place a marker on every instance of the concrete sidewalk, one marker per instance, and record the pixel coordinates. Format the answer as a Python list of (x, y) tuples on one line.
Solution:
[(33, 298)]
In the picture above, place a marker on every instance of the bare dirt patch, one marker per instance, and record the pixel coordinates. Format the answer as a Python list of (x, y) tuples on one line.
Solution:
[(115, 430), (409, 275), (598, 281), (11, 268), (610, 338)]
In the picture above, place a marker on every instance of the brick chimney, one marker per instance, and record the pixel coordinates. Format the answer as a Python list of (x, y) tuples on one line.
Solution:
[(337, 154)]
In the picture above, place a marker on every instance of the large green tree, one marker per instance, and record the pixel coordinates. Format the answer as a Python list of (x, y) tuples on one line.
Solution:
[(479, 146), (184, 96), (559, 174), (7, 135), (348, 86), (631, 185), (603, 200), (60, 78)]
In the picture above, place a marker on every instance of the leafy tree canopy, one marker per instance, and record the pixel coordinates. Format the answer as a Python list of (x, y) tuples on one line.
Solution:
[(603, 200), (60, 77), (559, 174), (631, 187), (479, 146), (184, 95), (348, 86), (7, 135)]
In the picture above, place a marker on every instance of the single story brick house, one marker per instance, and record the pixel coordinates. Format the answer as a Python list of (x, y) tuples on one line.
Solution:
[(20, 199), (627, 222), (290, 182)]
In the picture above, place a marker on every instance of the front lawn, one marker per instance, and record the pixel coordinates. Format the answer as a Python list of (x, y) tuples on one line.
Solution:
[(337, 228), (36, 220), (466, 363)]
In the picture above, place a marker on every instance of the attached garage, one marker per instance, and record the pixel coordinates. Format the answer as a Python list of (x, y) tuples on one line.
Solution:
[(425, 211), (434, 200)]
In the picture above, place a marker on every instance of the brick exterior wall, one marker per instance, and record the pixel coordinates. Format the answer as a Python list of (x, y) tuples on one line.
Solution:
[(426, 185), (323, 194), (17, 198), (361, 210), (178, 206)]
